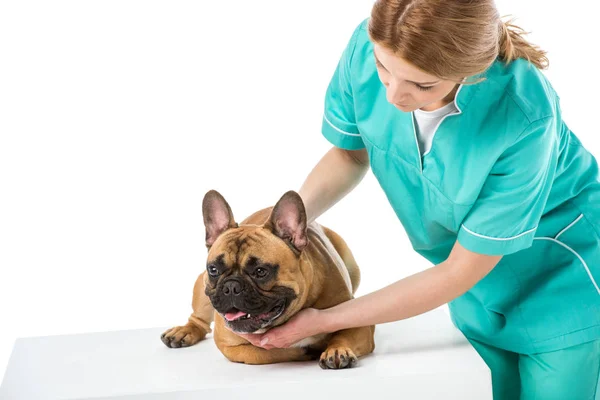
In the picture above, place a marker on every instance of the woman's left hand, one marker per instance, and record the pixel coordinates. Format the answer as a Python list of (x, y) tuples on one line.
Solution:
[(305, 323)]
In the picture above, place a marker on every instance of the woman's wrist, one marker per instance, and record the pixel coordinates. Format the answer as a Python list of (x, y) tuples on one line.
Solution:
[(329, 320)]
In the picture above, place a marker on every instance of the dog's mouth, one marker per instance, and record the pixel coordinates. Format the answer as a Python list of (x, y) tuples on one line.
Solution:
[(242, 321)]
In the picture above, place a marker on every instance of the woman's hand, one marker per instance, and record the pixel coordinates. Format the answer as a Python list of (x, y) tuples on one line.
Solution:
[(305, 323)]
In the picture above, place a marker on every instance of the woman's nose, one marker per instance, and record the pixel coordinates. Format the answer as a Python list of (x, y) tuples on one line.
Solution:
[(395, 94)]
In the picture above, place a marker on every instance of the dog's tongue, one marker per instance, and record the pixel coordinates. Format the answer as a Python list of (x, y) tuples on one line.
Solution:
[(231, 316)]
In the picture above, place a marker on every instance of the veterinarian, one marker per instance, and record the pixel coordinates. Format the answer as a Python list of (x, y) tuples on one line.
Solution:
[(448, 106)]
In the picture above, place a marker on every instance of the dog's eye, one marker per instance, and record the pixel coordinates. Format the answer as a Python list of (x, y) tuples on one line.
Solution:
[(212, 270), (261, 273)]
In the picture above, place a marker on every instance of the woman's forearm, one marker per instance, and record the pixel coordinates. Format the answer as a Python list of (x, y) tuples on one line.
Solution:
[(411, 296), (335, 175)]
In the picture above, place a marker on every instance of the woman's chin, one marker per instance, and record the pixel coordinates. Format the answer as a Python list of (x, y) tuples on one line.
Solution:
[(405, 108)]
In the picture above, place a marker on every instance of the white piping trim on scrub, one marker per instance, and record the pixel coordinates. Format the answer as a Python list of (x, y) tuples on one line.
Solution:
[(443, 118), (570, 225), (338, 129), (493, 238), (576, 254), (412, 118)]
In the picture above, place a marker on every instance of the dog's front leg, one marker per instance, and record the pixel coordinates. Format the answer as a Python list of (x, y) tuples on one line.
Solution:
[(346, 346), (198, 324)]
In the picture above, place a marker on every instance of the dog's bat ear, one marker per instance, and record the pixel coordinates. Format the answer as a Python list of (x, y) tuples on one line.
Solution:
[(288, 220), (217, 216)]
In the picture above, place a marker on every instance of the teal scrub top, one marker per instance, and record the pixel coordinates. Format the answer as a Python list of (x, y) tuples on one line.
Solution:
[(504, 176)]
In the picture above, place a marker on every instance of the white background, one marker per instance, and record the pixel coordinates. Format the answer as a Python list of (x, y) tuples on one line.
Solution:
[(116, 117)]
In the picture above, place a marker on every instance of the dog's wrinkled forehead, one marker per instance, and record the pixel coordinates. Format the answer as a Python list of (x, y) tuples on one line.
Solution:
[(241, 245)]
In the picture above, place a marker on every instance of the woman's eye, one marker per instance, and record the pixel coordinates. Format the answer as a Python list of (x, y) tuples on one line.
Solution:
[(261, 273), (424, 88), (212, 270)]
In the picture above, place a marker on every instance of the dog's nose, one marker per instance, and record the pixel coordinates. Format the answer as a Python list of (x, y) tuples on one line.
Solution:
[(232, 288)]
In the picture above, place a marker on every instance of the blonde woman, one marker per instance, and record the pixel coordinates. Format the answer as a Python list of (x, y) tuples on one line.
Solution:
[(448, 106)]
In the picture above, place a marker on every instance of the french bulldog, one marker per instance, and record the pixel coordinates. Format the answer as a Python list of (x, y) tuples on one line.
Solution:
[(260, 273)]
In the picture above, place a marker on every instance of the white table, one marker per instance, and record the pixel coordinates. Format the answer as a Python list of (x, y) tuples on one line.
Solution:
[(420, 358)]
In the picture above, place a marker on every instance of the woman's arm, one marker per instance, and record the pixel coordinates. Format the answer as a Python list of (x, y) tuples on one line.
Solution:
[(414, 295), (334, 176)]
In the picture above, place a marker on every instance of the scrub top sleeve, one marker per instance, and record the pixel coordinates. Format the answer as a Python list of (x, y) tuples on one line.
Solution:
[(506, 214), (339, 122)]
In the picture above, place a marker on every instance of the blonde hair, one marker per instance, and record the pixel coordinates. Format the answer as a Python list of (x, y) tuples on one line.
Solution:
[(450, 39)]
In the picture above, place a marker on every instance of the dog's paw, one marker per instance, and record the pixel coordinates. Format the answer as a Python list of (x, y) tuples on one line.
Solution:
[(182, 336), (338, 358)]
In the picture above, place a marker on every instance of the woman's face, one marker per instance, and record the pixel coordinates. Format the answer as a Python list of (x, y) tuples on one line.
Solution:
[(409, 88)]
